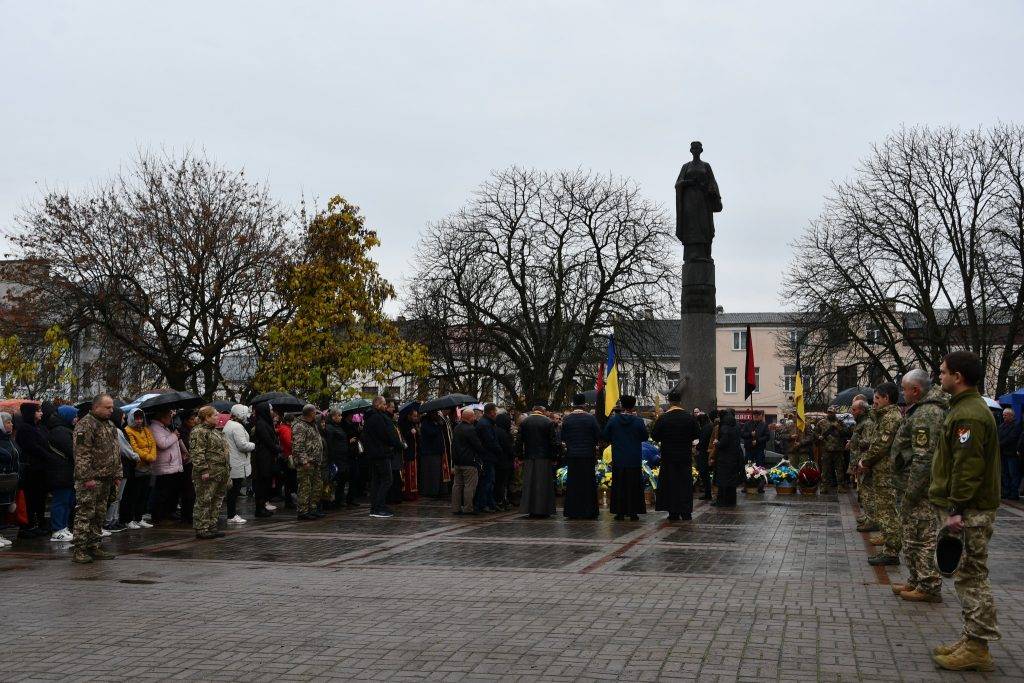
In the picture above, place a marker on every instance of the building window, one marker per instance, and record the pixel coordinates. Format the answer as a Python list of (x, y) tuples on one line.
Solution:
[(730, 380), (739, 340), (874, 335), (846, 376), (757, 380), (876, 374), (369, 390), (789, 379), (794, 337), (673, 379), (1011, 381)]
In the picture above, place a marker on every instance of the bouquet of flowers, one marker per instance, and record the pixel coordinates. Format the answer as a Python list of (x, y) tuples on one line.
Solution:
[(603, 474), (782, 474), (756, 476), (809, 475), (695, 473), (651, 476)]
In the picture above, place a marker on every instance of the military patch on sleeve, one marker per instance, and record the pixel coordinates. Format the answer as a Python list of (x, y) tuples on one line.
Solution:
[(963, 434), (921, 437), (81, 438)]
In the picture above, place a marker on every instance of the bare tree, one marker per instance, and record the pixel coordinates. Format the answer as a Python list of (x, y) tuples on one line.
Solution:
[(917, 255), (174, 260), (519, 285)]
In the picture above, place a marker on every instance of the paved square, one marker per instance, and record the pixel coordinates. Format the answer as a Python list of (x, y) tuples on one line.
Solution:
[(777, 589)]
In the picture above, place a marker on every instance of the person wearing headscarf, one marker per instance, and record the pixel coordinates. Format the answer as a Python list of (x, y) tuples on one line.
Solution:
[(538, 448), (264, 455), (35, 452), (10, 470), (626, 432), (239, 448)]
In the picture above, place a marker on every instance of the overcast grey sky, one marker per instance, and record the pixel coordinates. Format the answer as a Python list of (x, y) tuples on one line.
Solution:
[(405, 107)]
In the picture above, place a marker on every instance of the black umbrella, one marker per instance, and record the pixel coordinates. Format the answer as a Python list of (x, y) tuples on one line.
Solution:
[(844, 399), (354, 405), (222, 406), (272, 396), (180, 400), (280, 401), (446, 402), (411, 405)]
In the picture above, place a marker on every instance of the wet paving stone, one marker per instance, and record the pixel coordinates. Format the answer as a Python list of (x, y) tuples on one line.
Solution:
[(553, 528), (266, 548), (701, 534), (365, 526), (455, 554), (119, 543)]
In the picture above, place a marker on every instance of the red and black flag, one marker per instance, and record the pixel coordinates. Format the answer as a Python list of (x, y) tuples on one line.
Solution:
[(750, 376)]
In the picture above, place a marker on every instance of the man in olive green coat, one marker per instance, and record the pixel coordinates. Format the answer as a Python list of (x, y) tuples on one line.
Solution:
[(965, 493), (879, 462), (860, 440), (912, 451), (308, 453), (97, 471)]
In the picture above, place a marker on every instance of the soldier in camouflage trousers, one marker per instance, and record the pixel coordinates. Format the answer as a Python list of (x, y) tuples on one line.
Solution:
[(308, 454), (912, 451), (97, 470), (833, 435), (860, 440), (879, 461), (211, 472)]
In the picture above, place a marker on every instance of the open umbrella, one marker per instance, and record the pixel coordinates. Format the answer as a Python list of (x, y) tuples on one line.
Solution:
[(222, 406), (446, 402), (354, 405), (411, 405), (180, 400), (129, 407), (844, 399), (280, 401)]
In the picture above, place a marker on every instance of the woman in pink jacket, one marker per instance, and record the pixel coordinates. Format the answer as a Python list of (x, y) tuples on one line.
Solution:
[(167, 467)]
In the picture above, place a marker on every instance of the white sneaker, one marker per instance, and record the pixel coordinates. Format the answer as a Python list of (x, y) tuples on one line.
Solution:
[(270, 507), (133, 525), (104, 532), (63, 536), (143, 524), (4, 543), (236, 520)]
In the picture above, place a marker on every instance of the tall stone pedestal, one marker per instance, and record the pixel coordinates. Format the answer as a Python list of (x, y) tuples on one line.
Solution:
[(697, 380)]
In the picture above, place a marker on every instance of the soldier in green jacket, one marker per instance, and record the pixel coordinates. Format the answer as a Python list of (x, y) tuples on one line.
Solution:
[(878, 460), (308, 453), (965, 493), (833, 436), (211, 472), (860, 440), (97, 471), (916, 441)]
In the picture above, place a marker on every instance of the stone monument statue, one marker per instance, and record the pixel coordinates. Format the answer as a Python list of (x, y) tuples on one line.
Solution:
[(697, 201)]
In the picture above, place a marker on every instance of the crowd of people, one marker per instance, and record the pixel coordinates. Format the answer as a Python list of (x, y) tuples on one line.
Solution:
[(939, 467)]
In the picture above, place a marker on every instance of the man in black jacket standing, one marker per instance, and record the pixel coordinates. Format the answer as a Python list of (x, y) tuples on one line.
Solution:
[(538, 447), (485, 427), (676, 431), (379, 439), (467, 453), (755, 438)]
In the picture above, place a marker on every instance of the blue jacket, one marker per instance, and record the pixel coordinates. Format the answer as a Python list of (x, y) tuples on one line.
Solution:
[(626, 433)]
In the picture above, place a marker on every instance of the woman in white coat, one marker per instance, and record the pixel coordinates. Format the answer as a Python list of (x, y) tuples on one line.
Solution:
[(239, 447)]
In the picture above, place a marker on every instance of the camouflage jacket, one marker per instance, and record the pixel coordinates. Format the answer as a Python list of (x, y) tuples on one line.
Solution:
[(915, 444), (833, 434), (307, 446), (208, 449), (97, 452), (887, 423), (860, 436)]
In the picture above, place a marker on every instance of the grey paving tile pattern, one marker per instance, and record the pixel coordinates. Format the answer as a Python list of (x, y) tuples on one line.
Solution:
[(777, 589)]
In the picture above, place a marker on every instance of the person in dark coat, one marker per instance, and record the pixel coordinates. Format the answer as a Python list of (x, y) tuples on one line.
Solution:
[(409, 426), (395, 496), (10, 464), (538, 446), (484, 497), (1009, 433), (380, 439), (266, 453), (432, 454), (676, 432), (35, 454), (580, 439), (706, 425), (336, 453), (755, 438), (505, 466), (60, 470), (626, 432), (353, 426), (728, 461), (467, 454)]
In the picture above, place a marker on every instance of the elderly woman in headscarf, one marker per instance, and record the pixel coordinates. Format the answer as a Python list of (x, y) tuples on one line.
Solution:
[(239, 448), (10, 469)]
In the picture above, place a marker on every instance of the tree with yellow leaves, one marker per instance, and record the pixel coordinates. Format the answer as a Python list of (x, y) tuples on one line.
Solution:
[(338, 328), (36, 372)]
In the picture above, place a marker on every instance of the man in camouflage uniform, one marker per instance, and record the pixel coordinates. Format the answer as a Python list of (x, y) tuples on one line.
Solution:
[(211, 472), (879, 461), (97, 471), (308, 454), (965, 492), (912, 450), (833, 435), (860, 440)]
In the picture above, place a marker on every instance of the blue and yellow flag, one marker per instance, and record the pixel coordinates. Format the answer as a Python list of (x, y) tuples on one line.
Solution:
[(798, 396), (611, 382)]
